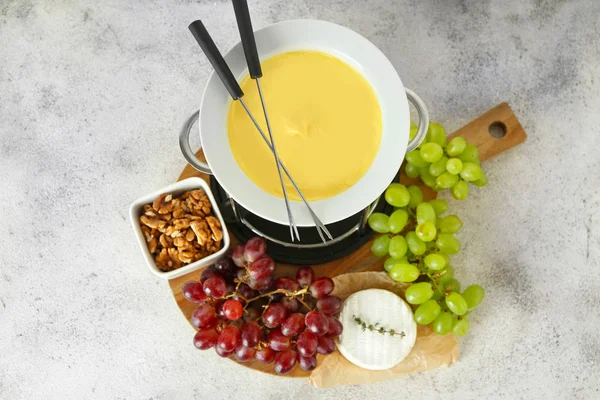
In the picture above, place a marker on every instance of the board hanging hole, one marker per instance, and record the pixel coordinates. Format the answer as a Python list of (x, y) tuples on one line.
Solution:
[(497, 130)]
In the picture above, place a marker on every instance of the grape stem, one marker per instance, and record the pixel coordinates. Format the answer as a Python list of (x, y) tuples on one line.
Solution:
[(285, 292)]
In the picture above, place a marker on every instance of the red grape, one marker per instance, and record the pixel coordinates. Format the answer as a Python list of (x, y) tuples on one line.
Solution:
[(266, 355), (307, 363), (244, 354), (285, 361), (244, 292), (274, 315), (326, 345), (210, 272), (204, 316), (194, 292), (261, 268), (293, 325), (238, 255), (286, 283), (240, 273), (307, 343), (251, 314), (335, 326), (321, 287), (215, 287), (229, 338), (225, 266), (255, 248), (219, 308), (204, 339), (329, 304), (250, 334), (277, 341), (229, 288), (261, 284), (292, 305), (316, 322), (223, 353), (232, 309), (305, 276)]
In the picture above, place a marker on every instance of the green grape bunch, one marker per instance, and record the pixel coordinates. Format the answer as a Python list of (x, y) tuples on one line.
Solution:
[(445, 165), (419, 240)]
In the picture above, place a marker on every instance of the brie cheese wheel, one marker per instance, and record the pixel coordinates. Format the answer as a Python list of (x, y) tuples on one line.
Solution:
[(370, 349)]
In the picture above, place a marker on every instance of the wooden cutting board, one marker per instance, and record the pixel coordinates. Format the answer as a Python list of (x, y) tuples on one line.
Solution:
[(508, 134)]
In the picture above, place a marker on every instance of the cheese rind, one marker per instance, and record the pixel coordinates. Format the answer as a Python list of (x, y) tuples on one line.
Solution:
[(373, 350)]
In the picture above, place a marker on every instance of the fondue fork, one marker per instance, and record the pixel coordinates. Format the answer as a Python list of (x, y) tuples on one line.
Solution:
[(242, 15), (235, 91)]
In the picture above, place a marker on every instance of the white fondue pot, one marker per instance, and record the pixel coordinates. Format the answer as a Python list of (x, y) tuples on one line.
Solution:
[(356, 51)]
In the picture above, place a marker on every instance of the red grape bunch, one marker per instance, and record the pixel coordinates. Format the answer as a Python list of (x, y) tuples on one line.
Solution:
[(244, 311)]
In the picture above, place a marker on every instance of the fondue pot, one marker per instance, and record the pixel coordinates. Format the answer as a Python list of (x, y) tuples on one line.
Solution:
[(351, 48)]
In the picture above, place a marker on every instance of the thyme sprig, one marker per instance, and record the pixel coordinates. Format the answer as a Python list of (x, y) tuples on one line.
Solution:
[(377, 327)]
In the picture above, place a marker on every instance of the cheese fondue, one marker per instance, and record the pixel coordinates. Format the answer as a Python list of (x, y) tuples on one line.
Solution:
[(325, 120)]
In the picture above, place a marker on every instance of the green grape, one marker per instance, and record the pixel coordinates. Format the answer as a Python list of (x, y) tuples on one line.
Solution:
[(419, 293), (454, 166), (446, 257), (397, 220), (460, 191), (446, 180), (425, 213), (427, 312), (381, 246), (435, 262), (416, 196), (416, 245), (398, 246), (470, 154), (426, 176), (461, 327), (431, 152), (379, 222), (404, 272), (397, 195), (436, 134), (411, 170), (391, 261), (448, 243), (426, 231), (471, 172), (482, 181), (436, 295), (443, 323), (473, 295), (450, 224), (456, 146), (439, 167), (453, 284), (447, 275), (414, 157), (455, 303), (413, 130), (440, 206)]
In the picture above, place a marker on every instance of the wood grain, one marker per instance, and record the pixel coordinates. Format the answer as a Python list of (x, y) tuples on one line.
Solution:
[(476, 132)]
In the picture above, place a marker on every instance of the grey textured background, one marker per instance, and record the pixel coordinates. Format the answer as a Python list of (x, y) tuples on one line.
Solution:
[(92, 95)]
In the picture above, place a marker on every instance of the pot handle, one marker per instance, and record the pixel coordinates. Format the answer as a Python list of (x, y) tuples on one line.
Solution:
[(423, 119), (184, 145)]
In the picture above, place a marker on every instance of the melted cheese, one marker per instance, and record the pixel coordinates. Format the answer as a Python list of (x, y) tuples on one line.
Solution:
[(325, 119)]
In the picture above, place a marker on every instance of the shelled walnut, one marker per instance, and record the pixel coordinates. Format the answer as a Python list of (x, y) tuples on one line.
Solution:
[(180, 230)]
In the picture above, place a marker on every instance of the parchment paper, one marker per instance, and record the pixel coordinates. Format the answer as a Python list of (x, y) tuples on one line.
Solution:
[(429, 352)]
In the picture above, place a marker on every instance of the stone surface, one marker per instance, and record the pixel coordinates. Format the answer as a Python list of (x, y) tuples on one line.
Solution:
[(92, 96)]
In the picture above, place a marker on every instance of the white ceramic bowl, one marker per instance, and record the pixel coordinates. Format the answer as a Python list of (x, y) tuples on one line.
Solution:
[(135, 211), (346, 45)]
